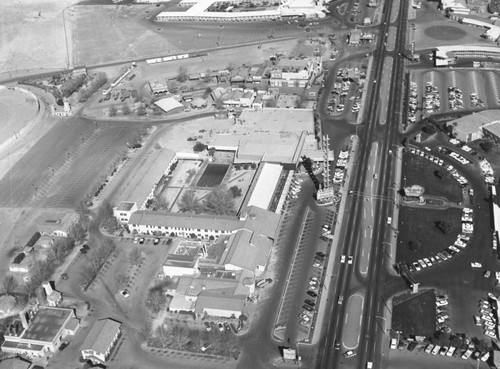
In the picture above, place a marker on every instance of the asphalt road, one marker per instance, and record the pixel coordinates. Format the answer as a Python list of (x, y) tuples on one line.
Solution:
[(373, 131)]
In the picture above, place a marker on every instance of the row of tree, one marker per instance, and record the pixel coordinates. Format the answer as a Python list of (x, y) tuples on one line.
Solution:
[(96, 259), (72, 84), (98, 80), (177, 337)]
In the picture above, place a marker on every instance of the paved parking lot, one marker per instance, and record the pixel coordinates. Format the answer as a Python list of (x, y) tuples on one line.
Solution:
[(479, 88)]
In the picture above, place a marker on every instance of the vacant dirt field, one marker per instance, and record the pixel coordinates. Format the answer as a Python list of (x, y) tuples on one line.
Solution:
[(16, 109), (34, 37)]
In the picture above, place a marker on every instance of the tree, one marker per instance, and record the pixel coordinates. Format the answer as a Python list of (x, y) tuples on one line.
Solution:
[(235, 191), (9, 284), (444, 226), (29, 288), (486, 146), (140, 111), (441, 173), (189, 203), (270, 103), (180, 336), (196, 338), (77, 231), (415, 245), (199, 147), (158, 202), (121, 281), (156, 300), (182, 74), (218, 103), (72, 84), (125, 110), (219, 202), (135, 256)]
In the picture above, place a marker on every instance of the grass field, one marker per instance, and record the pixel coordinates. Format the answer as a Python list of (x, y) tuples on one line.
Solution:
[(419, 225), (415, 314), (420, 171)]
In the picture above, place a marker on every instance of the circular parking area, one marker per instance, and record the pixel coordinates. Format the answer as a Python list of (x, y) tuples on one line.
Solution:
[(445, 33)]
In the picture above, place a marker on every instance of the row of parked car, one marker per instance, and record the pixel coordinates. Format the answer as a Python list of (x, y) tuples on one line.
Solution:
[(448, 351), (340, 167), (313, 291), (413, 102), (486, 318)]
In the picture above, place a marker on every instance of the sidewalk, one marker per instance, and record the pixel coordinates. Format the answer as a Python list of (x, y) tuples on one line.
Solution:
[(330, 280)]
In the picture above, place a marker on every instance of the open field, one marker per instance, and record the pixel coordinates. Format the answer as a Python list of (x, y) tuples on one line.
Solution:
[(415, 314), (419, 225), (61, 168), (16, 109), (34, 37), (417, 170)]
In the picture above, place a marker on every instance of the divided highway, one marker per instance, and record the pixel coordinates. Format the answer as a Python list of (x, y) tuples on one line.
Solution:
[(370, 206)]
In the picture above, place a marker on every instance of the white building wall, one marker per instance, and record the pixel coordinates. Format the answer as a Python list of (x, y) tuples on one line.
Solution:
[(222, 313)]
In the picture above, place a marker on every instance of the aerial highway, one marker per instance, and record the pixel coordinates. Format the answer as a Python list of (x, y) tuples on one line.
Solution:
[(370, 206)]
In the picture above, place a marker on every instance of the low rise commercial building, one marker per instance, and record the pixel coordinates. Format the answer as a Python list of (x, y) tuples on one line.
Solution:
[(100, 341), (40, 331)]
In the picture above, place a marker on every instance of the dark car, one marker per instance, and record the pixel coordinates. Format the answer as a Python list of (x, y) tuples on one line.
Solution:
[(64, 276), (337, 345), (310, 302), (412, 346), (83, 251), (321, 254), (63, 345), (307, 307), (86, 247), (312, 293)]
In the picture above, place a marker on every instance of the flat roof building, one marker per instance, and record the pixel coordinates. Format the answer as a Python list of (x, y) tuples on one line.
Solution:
[(476, 125), (267, 181), (40, 331)]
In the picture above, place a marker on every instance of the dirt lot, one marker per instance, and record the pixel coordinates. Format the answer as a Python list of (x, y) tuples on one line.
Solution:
[(34, 36)]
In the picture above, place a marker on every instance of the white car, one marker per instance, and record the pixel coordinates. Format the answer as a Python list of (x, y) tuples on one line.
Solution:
[(467, 354), (124, 293), (451, 351), (442, 302), (394, 343), (350, 260), (429, 348), (342, 259), (476, 265)]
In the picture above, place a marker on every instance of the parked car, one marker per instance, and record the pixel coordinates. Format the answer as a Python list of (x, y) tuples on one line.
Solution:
[(310, 302), (156, 241), (141, 240), (307, 307), (312, 293), (394, 343)]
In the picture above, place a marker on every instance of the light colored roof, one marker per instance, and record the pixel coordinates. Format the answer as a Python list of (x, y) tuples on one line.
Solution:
[(477, 22), (181, 261), (248, 250), (262, 222), (192, 286), (168, 103), (278, 120), (266, 184), (473, 122), (444, 51), (147, 173), (219, 300), (125, 206), (101, 335), (179, 302), (198, 221), (493, 127)]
